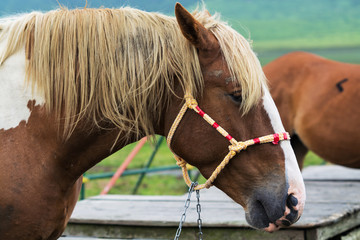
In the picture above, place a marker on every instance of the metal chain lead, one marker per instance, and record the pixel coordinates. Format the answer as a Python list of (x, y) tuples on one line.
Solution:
[(198, 209), (183, 216)]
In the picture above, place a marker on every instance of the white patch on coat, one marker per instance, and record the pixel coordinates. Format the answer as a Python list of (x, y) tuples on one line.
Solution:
[(14, 96), (292, 171)]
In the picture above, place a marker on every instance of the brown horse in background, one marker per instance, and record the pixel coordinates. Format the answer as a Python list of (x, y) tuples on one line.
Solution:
[(319, 104), (77, 85)]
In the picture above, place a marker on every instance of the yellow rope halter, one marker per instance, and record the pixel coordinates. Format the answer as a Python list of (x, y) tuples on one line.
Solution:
[(234, 148)]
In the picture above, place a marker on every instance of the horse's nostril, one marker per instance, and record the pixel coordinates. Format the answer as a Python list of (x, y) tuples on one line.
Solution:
[(285, 223), (291, 201)]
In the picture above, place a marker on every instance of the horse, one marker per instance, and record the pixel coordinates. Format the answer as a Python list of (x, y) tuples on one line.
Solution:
[(317, 100), (78, 85)]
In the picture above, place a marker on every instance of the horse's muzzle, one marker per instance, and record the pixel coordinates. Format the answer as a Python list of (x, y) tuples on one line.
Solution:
[(268, 212)]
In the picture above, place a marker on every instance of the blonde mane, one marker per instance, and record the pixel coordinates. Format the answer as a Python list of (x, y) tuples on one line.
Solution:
[(119, 66)]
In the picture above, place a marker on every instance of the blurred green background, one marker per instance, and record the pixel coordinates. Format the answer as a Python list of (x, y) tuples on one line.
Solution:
[(330, 28), (327, 27)]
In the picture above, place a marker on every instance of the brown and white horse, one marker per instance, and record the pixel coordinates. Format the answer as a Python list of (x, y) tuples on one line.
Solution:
[(318, 100), (77, 85)]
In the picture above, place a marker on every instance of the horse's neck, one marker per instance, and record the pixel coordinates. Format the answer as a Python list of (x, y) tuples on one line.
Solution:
[(85, 149), (23, 112)]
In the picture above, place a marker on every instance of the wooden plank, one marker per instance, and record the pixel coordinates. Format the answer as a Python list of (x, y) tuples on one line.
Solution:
[(331, 173), (340, 226), (332, 192), (151, 213), (212, 194), (86, 238), (162, 198), (145, 232), (353, 235), (332, 207), (337, 199)]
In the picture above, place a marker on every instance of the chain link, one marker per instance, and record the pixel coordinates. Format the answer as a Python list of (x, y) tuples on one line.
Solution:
[(198, 209), (183, 216), (186, 206)]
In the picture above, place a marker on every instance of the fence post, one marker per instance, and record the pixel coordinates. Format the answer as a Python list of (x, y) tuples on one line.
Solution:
[(142, 175), (123, 166)]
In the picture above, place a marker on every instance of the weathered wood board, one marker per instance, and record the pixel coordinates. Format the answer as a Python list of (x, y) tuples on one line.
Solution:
[(86, 238), (331, 173), (332, 208)]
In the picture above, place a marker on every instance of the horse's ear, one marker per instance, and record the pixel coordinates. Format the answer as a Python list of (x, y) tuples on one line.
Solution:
[(194, 31)]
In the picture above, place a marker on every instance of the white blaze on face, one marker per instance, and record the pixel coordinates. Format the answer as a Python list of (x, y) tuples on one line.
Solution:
[(292, 171), (14, 97)]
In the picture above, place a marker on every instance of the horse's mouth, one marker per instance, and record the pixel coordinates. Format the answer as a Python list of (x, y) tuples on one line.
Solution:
[(269, 217)]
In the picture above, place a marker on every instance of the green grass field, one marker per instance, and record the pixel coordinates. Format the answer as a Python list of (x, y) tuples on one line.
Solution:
[(152, 184), (350, 54)]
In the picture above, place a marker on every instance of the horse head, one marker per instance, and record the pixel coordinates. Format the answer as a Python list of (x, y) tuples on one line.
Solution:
[(264, 179)]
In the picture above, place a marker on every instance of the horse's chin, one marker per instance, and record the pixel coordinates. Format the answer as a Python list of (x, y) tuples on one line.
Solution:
[(271, 227), (262, 223)]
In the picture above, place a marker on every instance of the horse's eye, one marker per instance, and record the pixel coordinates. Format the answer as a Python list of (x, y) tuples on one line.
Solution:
[(236, 96)]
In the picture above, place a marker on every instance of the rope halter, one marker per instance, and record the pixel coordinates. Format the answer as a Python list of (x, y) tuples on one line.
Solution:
[(234, 148)]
